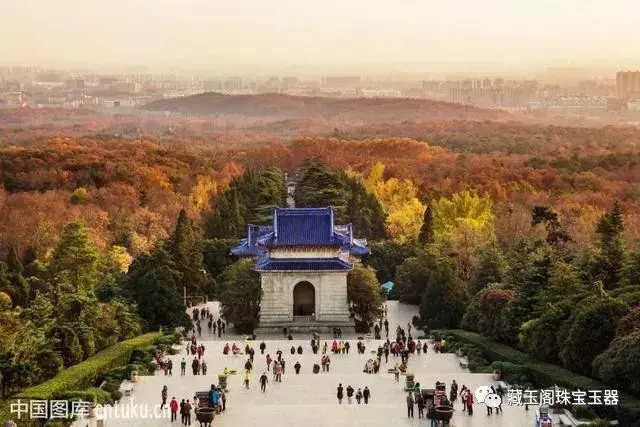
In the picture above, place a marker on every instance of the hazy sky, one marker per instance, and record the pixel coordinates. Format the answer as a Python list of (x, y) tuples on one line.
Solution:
[(257, 35)]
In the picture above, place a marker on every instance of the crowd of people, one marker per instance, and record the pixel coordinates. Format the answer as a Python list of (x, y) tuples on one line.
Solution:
[(402, 348)]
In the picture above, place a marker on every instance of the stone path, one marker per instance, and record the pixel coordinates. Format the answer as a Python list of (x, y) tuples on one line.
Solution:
[(310, 400)]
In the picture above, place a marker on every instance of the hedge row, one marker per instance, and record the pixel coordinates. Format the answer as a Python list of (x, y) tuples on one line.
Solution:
[(85, 374), (545, 374)]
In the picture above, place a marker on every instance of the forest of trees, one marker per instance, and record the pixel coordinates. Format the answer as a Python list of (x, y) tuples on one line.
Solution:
[(525, 234), (58, 312)]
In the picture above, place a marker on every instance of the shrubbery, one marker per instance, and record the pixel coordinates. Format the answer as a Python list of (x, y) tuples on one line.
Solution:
[(544, 375), (92, 394), (86, 373)]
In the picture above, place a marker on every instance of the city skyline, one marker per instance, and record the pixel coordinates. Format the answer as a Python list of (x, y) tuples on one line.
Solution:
[(248, 36)]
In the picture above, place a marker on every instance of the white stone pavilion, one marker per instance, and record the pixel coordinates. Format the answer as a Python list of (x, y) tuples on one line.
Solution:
[(303, 259)]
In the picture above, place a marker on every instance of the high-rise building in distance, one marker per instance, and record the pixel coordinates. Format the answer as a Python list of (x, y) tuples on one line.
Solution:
[(627, 82)]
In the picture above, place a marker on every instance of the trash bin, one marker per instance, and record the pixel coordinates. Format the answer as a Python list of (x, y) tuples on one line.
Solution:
[(222, 381), (410, 383)]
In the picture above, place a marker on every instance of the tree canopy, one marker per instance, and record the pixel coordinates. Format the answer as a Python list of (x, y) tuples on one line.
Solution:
[(364, 293), (240, 294)]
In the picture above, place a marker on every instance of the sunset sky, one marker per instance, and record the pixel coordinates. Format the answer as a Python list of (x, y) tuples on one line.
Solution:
[(251, 35)]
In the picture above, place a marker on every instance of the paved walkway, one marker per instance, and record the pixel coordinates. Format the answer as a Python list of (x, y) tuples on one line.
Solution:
[(310, 400)]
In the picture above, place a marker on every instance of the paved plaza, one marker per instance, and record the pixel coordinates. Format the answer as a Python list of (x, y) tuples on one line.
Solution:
[(310, 400)]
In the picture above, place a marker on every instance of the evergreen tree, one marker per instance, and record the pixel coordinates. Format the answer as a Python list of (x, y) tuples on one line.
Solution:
[(610, 262), (412, 277), (13, 262), (564, 284), (386, 256), (555, 231), (364, 211), (631, 270), (240, 295), (321, 186), (217, 255), (519, 278), (491, 267), (249, 199), (445, 297), (186, 250), (75, 258), (540, 336), (153, 282), (590, 329), (364, 293), (426, 232)]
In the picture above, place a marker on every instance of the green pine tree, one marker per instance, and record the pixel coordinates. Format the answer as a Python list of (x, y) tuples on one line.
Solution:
[(75, 258), (491, 267), (154, 283), (426, 232), (186, 250), (610, 262)]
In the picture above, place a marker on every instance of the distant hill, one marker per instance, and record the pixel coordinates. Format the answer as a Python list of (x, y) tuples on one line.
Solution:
[(277, 106)]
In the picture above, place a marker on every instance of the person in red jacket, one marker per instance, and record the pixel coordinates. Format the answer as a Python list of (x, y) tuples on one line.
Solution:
[(173, 405)]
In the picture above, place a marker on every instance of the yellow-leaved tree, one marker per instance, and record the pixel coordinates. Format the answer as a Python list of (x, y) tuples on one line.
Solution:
[(463, 223), (204, 189), (399, 200)]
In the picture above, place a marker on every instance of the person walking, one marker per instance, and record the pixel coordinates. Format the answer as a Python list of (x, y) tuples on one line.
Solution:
[(263, 346), (245, 379), (396, 373), (182, 417), (346, 347), (463, 397), (269, 360), (170, 367), (213, 397), (420, 404), (469, 402), (263, 382), (349, 394), (359, 396), (164, 397), (453, 394), (183, 367), (340, 393), (410, 403), (297, 367), (187, 413), (223, 399), (366, 394), (173, 406)]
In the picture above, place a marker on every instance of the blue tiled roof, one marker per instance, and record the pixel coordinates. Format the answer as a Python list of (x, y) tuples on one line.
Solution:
[(300, 227), (303, 227), (297, 264), (243, 249)]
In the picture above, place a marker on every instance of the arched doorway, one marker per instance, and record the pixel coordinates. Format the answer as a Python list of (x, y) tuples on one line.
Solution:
[(304, 299)]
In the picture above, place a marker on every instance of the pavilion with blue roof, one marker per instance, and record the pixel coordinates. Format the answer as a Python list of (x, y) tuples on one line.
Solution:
[(303, 259)]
